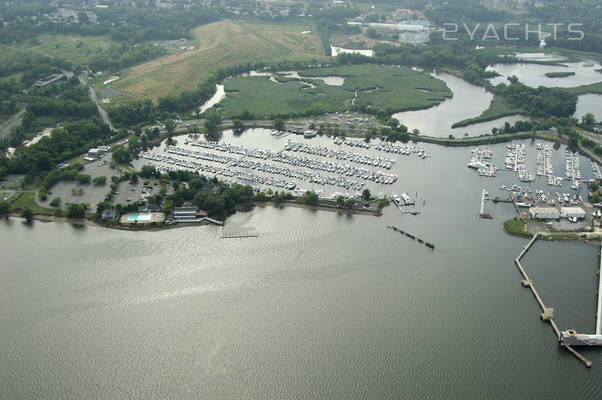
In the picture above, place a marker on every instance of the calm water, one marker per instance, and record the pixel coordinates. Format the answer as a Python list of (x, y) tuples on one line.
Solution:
[(589, 103), (320, 305), (438, 120), (534, 75)]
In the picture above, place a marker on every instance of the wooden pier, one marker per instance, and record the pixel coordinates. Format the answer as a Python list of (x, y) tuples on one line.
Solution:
[(501, 200), (427, 244), (238, 235), (547, 313)]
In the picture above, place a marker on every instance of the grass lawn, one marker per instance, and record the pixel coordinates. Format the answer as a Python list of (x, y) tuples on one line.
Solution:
[(27, 200), (220, 44), (77, 49), (498, 108), (387, 88), (516, 227)]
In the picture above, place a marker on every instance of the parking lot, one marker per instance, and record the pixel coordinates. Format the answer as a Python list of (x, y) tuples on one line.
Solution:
[(92, 194)]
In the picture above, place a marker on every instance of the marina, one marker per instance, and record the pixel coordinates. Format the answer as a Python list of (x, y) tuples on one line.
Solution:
[(333, 268), (293, 166)]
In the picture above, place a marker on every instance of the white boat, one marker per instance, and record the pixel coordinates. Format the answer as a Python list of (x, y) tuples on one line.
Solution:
[(476, 164)]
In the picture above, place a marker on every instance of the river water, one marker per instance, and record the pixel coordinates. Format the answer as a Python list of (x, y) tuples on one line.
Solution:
[(320, 305), (468, 101)]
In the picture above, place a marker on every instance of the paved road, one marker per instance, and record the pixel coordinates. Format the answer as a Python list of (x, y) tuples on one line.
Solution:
[(103, 113)]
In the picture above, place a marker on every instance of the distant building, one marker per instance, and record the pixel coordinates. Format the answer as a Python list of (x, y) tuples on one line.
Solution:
[(96, 152), (109, 215), (544, 213), (189, 214), (49, 80), (184, 213)]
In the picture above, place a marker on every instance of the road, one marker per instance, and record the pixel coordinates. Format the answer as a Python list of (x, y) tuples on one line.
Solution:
[(103, 113)]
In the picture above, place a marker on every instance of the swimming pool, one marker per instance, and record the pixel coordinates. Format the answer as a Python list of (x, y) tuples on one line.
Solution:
[(139, 217)]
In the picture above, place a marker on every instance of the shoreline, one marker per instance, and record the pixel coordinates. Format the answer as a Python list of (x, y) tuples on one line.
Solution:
[(46, 218), (551, 236)]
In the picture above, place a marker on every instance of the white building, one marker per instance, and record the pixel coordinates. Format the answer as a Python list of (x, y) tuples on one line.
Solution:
[(572, 212), (93, 154), (544, 213)]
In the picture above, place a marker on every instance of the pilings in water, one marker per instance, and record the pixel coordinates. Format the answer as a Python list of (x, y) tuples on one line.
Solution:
[(547, 313), (427, 244)]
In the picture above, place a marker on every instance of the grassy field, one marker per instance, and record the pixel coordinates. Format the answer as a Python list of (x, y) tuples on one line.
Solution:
[(27, 200), (263, 97), (395, 89), (387, 88), (595, 88), (497, 109), (220, 44), (77, 49)]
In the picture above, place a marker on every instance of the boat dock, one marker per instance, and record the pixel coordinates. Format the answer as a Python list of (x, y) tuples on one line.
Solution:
[(547, 313), (427, 244), (482, 212), (399, 206), (501, 200)]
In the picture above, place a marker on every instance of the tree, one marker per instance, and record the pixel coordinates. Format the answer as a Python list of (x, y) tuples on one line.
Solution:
[(27, 214), (170, 126), (75, 210), (55, 202), (4, 208), (588, 119), (121, 155), (147, 171), (278, 124), (83, 178), (310, 198), (212, 121), (573, 143), (340, 201), (366, 195), (238, 126), (100, 180)]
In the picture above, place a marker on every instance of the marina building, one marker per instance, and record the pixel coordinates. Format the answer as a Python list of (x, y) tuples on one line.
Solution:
[(184, 214), (572, 212), (544, 213), (49, 80)]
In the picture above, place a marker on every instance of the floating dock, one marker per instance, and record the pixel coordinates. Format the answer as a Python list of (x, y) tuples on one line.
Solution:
[(547, 313)]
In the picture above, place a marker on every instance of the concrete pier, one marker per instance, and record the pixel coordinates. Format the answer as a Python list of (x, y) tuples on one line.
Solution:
[(482, 213), (571, 337), (547, 313)]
